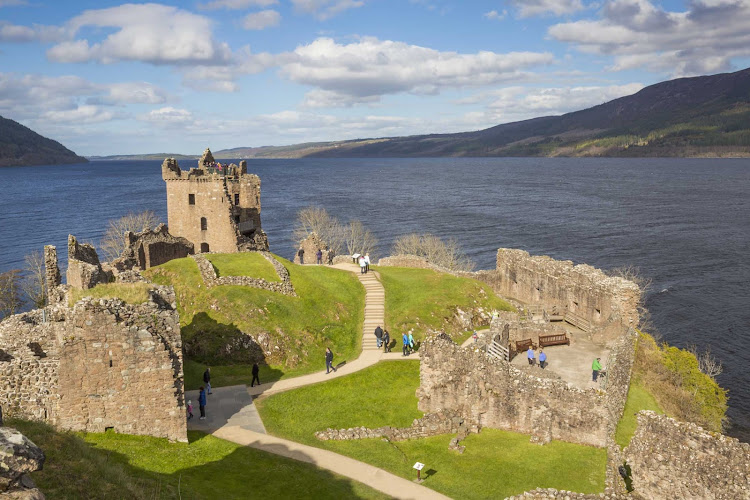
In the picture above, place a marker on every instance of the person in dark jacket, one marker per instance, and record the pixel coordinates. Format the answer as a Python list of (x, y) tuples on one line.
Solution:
[(379, 336), (256, 370), (387, 341), (207, 379), (329, 361), (301, 255), (202, 403), (319, 256)]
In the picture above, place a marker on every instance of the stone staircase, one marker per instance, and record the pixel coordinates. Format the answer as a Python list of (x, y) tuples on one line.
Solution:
[(374, 310)]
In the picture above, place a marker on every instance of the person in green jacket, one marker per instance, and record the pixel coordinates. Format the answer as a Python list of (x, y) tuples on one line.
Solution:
[(596, 367)]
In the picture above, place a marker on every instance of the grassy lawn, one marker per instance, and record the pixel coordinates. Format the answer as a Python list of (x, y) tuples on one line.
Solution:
[(423, 299), (113, 465), (243, 264), (495, 464), (328, 312), (638, 399), (131, 293)]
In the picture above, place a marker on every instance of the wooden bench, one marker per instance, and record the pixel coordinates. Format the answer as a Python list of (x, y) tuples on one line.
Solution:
[(561, 339), (523, 345)]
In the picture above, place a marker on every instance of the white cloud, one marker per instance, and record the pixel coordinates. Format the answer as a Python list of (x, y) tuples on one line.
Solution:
[(319, 98), (168, 116), (82, 114), (369, 68), (261, 20), (236, 4), (325, 9), (133, 93), (495, 15), (36, 33), (529, 8), (152, 33), (640, 34)]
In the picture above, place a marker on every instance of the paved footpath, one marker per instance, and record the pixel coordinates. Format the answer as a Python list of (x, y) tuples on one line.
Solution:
[(231, 414)]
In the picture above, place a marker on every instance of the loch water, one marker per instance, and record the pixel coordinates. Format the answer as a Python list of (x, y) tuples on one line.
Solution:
[(685, 223)]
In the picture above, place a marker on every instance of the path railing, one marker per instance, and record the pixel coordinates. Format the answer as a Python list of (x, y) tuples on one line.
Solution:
[(496, 350), (577, 321)]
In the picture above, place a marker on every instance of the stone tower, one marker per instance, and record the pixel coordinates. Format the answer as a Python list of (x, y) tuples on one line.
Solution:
[(216, 207)]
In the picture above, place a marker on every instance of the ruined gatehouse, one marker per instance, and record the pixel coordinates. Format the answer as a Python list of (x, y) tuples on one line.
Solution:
[(215, 207)]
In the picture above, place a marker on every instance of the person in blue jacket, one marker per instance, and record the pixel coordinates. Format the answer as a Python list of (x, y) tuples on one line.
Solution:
[(542, 359), (405, 340), (202, 402)]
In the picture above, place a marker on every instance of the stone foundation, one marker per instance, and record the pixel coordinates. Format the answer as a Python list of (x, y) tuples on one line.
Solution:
[(430, 425), (208, 273)]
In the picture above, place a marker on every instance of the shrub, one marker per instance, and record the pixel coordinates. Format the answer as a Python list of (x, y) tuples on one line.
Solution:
[(446, 254)]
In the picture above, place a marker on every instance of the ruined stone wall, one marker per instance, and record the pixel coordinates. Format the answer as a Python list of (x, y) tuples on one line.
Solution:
[(518, 329), (230, 205), (210, 278), (151, 248), (493, 393), (84, 269), (311, 245), (100, 364), (432, 424), (670, 459), (582, 289)]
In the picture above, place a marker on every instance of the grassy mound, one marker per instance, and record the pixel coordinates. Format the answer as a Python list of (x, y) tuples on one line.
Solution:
[(673, 377), (495, 464), (131, 293), (243, 264), (216, 322), (424, 299), (114, 465)]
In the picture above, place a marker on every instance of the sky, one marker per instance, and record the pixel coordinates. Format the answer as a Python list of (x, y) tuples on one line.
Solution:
[(106, 77)]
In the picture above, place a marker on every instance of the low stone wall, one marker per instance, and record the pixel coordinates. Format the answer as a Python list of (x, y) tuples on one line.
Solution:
[(493, 393), (408, 261), (208, 273), (99, 364), (429, 425), (18, 457), (670, 459), (553, 494)]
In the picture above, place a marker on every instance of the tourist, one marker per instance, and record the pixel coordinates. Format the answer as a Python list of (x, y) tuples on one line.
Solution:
[(319, 256), (596, 367), (207, 379), (329, 361), (367, 262), (256, 371), (530, 355), (379, 336), (190, 409), (202, 403), (411, 342), (386, 341), (301, 255), (475, 336), (405, 340), (330, 256), (542, 359), (362, 265)]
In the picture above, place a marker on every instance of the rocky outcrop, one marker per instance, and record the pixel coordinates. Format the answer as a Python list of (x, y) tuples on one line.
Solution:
[(18, 457)]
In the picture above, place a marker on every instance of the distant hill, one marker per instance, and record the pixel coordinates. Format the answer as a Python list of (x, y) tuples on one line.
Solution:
[(689, 117), (21, 146), (148, 156)]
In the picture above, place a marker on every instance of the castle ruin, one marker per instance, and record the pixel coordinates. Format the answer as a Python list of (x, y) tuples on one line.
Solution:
[(215, 207)]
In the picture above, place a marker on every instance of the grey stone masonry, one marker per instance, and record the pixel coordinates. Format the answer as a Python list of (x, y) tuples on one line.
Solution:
[(18, 457), (208, 273)]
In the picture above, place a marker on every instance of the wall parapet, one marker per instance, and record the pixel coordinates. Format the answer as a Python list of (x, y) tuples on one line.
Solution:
[(211, 279)]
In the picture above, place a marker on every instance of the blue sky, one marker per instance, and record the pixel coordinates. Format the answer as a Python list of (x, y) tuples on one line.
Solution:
[(106, 77)]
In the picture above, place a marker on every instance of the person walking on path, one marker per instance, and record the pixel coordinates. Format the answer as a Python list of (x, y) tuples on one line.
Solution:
[(596, 367), (190, 409), (202, 403), (207, 379), (405, 340), (411, 342), (329, 361), (362, 265), (542, 359), (256, 371), (331, 255), (301, 255), (386, 341), (379, 336), (367, 262), (530, 355), (319, 256)]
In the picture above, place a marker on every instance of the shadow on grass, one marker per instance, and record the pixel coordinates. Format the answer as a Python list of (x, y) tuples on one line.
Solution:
[(112, 465), (227, 350)]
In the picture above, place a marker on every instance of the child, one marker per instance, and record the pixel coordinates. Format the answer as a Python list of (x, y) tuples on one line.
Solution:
[(190, 409), (475, 336)]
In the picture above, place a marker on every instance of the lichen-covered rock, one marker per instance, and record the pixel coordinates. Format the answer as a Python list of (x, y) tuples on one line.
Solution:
[(18, 456)]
